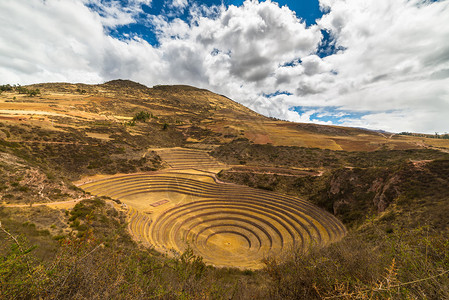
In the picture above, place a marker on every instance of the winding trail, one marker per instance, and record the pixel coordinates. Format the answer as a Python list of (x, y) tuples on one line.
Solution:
[(57, 203)]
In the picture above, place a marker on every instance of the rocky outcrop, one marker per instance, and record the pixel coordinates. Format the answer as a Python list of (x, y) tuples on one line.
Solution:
[(355, 189), (386, 192)]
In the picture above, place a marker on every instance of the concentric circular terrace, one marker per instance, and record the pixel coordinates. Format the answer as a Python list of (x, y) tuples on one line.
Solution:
[(227, 224)]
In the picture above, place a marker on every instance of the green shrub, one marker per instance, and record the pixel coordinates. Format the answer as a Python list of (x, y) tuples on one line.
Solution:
[(5, 88), (24, 90), (142, 116)]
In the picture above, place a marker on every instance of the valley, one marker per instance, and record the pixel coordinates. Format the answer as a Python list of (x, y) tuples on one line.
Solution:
[(173, 191)]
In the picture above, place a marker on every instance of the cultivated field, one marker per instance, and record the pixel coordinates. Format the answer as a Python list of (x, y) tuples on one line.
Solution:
[(181, 158), (227, 224)]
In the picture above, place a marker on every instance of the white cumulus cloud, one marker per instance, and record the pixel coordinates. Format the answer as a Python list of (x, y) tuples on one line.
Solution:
[(395, 63)]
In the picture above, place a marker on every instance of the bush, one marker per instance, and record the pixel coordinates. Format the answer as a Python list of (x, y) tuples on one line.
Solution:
[(5, 88), (392, 266), (142, 116), (24, 90), (109, 265)]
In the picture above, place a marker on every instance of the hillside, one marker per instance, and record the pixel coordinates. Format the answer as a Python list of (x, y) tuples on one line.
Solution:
[(196, 118), (122, 191)]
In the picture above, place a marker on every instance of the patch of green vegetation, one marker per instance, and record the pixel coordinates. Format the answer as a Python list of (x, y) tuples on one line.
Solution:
[(6, 88), (81, 91), (104, 261), (28, 92), (141, 116), (391, 265), (20, 89)]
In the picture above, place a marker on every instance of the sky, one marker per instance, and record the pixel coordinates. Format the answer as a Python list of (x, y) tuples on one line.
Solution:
[(377, 64)]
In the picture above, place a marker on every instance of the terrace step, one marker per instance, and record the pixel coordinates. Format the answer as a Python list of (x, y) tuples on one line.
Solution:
[(227, 224)]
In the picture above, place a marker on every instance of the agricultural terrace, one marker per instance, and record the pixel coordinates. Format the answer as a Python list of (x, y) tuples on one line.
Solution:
[(229, 225)]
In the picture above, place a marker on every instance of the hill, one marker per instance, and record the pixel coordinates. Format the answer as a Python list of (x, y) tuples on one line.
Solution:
[(196, 117)]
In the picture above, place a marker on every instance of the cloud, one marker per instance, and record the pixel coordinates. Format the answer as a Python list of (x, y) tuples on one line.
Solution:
[(179, 4), (392, 51), (117, 13), (391, 70), (35, 46)]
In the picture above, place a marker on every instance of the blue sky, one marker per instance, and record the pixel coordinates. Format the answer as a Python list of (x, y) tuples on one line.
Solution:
[(331, 115), (378, 64), (308, 10)]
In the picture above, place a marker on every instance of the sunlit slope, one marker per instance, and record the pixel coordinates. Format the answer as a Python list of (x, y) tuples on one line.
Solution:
[(227, 224), (194, 117)]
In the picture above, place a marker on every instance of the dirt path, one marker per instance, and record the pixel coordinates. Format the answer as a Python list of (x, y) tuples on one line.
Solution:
[(57, 203), (439, 149), (421, 144), (51, 142), (271, 173)]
